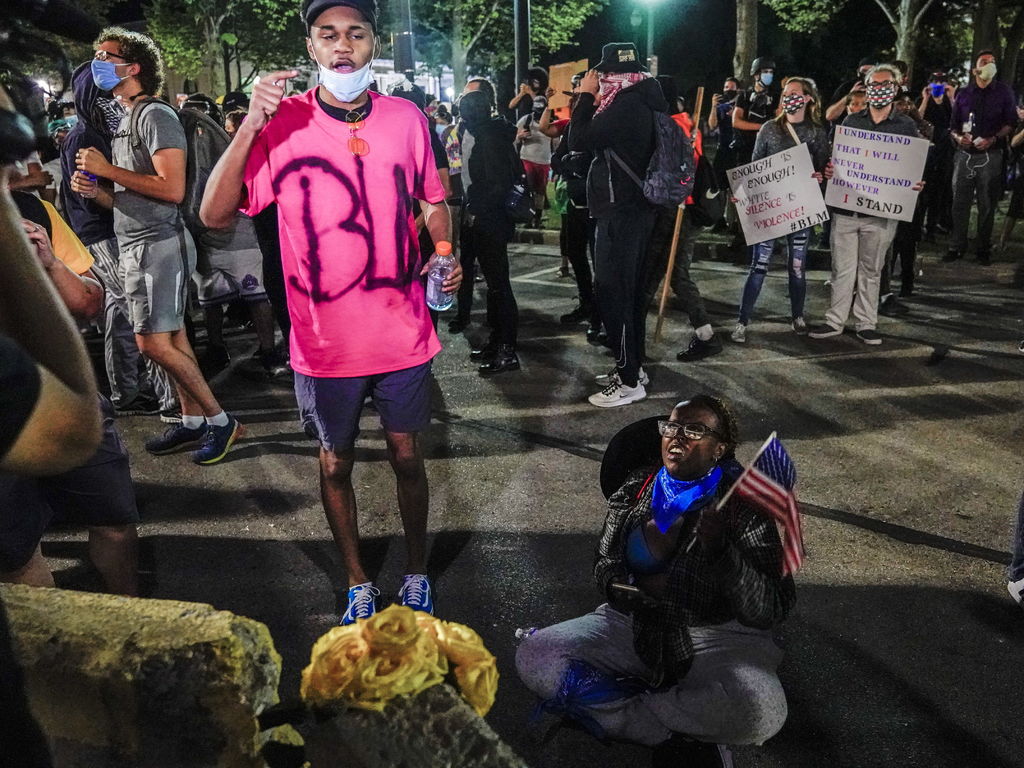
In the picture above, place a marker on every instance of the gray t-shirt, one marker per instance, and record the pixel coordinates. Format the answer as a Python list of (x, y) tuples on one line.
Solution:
[(136, 217)]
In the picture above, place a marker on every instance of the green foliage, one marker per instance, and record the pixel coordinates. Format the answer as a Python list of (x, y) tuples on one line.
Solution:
[(805, 15), (204, 35), (485, 28)]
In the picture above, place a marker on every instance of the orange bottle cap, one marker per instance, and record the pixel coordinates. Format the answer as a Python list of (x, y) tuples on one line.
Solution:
[(443, 248)]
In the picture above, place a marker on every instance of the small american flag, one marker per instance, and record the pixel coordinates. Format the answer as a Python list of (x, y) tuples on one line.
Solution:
[(769, 484)]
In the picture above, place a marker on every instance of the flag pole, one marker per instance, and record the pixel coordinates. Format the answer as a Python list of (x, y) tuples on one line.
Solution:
[(746, 469)]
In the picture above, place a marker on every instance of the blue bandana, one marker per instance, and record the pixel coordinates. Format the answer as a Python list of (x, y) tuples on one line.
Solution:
[(671, 498)]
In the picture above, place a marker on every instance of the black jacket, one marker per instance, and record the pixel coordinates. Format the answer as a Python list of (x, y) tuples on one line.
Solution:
[(90, 221), (491, 162), (627, 127)]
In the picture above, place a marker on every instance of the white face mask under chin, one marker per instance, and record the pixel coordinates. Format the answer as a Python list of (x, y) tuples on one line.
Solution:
[(346, 86)]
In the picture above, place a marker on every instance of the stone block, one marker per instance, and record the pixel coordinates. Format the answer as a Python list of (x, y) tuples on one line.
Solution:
[(435, 729), (123, 682)]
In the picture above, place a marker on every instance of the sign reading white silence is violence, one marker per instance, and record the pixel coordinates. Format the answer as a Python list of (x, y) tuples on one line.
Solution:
[(777, 195), (875, 172)]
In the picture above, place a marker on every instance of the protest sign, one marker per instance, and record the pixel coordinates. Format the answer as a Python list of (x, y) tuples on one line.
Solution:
[(560, 80), (875, 172), (777, 195)]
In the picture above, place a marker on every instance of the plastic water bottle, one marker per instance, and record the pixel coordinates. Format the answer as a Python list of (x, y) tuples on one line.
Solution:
[(441, 265)]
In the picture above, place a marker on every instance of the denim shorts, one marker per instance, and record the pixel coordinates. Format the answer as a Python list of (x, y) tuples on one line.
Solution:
[(330, 407)]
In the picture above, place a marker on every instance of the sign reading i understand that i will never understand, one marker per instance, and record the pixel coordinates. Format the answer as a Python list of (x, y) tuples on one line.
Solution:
[(875, 173)]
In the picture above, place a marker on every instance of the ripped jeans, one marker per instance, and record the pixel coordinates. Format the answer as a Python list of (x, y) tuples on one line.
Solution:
[(761, 254)]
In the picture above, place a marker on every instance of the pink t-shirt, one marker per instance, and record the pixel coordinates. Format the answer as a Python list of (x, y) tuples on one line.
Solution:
[(348, 238)]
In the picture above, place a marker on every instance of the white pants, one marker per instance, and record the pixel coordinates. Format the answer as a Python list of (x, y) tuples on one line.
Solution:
[(859, 244), (731, 695)]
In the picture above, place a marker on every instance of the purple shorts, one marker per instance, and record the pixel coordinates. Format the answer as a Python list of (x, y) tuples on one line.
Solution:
[(330, 407)]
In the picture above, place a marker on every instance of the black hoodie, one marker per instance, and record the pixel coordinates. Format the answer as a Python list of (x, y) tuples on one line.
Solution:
[(489, 161), (627, 126), (91, 222)]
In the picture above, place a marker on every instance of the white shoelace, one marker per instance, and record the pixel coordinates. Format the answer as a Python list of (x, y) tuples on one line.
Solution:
[(362, 603), (415, 590)]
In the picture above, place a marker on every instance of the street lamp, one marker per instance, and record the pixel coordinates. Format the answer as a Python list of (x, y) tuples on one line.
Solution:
[(652, 62)]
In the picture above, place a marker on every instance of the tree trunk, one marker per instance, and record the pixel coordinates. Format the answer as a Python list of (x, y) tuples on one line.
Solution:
[(906, 34), (746, 36), (1011, 54), (225, 53), (459, 52), (986, 29)]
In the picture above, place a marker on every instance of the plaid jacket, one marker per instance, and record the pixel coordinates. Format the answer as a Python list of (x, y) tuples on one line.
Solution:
[(744, 583)]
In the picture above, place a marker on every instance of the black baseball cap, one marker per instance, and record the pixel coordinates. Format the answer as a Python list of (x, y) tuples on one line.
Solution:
[(867, 61), (311, 9)]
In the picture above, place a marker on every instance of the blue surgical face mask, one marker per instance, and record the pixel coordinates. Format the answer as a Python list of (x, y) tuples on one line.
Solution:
[(346, 86), (767, 78), (104, 75), (71, 120)]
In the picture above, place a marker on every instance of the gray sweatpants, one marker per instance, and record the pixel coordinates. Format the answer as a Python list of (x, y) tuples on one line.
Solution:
[(731, 695), (978, 174), (121, 354)]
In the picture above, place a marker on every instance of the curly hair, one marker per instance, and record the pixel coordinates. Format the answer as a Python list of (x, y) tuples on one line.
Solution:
[(138, 49), (729, 428)]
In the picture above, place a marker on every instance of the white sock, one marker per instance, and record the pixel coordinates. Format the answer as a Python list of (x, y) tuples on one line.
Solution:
[(705, 332), (192, 422), (220, 420)]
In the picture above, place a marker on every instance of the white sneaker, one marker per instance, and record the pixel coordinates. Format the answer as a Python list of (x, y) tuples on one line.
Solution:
[(739, 334), (617, 393), (1016, 590), (613, 375), (799, 326)]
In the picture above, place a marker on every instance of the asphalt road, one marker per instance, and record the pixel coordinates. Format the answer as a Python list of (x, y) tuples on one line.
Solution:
[(904, 648)]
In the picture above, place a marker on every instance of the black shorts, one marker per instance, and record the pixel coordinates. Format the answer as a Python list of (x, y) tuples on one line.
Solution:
[(99, 493)]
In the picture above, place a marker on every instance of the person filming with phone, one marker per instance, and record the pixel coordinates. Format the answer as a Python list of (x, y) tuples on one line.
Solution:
[(681, 657)]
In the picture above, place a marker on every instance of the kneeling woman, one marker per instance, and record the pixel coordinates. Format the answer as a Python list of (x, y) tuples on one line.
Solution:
[(681, 657)]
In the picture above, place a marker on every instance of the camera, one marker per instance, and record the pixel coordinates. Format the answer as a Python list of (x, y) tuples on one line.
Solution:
[(23, 130)]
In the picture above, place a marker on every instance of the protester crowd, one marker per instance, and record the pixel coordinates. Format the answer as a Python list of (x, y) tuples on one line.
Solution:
[(144, 210)]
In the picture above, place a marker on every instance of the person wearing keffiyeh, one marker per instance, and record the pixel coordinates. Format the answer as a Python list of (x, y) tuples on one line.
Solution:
[(614, 119), (681, 657)]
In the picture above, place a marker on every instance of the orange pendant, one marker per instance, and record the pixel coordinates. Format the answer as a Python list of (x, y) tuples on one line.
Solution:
[(358, 146)]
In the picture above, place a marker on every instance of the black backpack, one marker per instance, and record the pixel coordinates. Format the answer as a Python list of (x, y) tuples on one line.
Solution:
[(205, 142), (708, 206)]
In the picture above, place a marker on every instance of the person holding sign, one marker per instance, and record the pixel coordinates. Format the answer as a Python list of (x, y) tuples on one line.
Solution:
[(860, 240), (799, 122)]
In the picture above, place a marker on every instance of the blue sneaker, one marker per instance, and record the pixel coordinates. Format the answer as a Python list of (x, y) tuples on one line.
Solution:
[(416, 593), (362, 603), (176, 438), (218, 442)]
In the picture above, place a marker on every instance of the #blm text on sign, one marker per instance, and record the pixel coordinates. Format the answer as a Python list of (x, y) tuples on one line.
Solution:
[(777, 195), (874, 173)]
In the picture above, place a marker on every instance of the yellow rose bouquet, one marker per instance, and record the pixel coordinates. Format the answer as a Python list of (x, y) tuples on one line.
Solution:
[(398, 652)]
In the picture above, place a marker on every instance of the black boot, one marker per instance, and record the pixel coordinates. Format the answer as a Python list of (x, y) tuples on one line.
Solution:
[(505, 359), (578, 315), (486, 352), (679, 751)]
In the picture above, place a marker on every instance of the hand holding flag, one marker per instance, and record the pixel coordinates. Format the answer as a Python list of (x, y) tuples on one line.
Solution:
[(769, 483)]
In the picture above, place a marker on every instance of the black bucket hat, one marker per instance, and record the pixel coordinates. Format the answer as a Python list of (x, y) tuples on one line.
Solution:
[(620, 57)]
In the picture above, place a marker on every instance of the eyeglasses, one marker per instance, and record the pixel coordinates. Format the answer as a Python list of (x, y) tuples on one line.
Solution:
[(690, 431), (102, 55)]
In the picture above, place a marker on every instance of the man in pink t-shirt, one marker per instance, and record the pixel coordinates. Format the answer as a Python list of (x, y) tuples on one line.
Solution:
[(346, 168)]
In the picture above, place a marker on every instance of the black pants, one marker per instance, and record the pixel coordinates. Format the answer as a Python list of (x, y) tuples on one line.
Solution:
[(620, 260), (681, 282), (575, 240), (485, 239), (265, 224)]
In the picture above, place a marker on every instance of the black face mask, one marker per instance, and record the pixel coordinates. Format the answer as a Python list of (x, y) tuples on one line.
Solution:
[(729, 95)]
